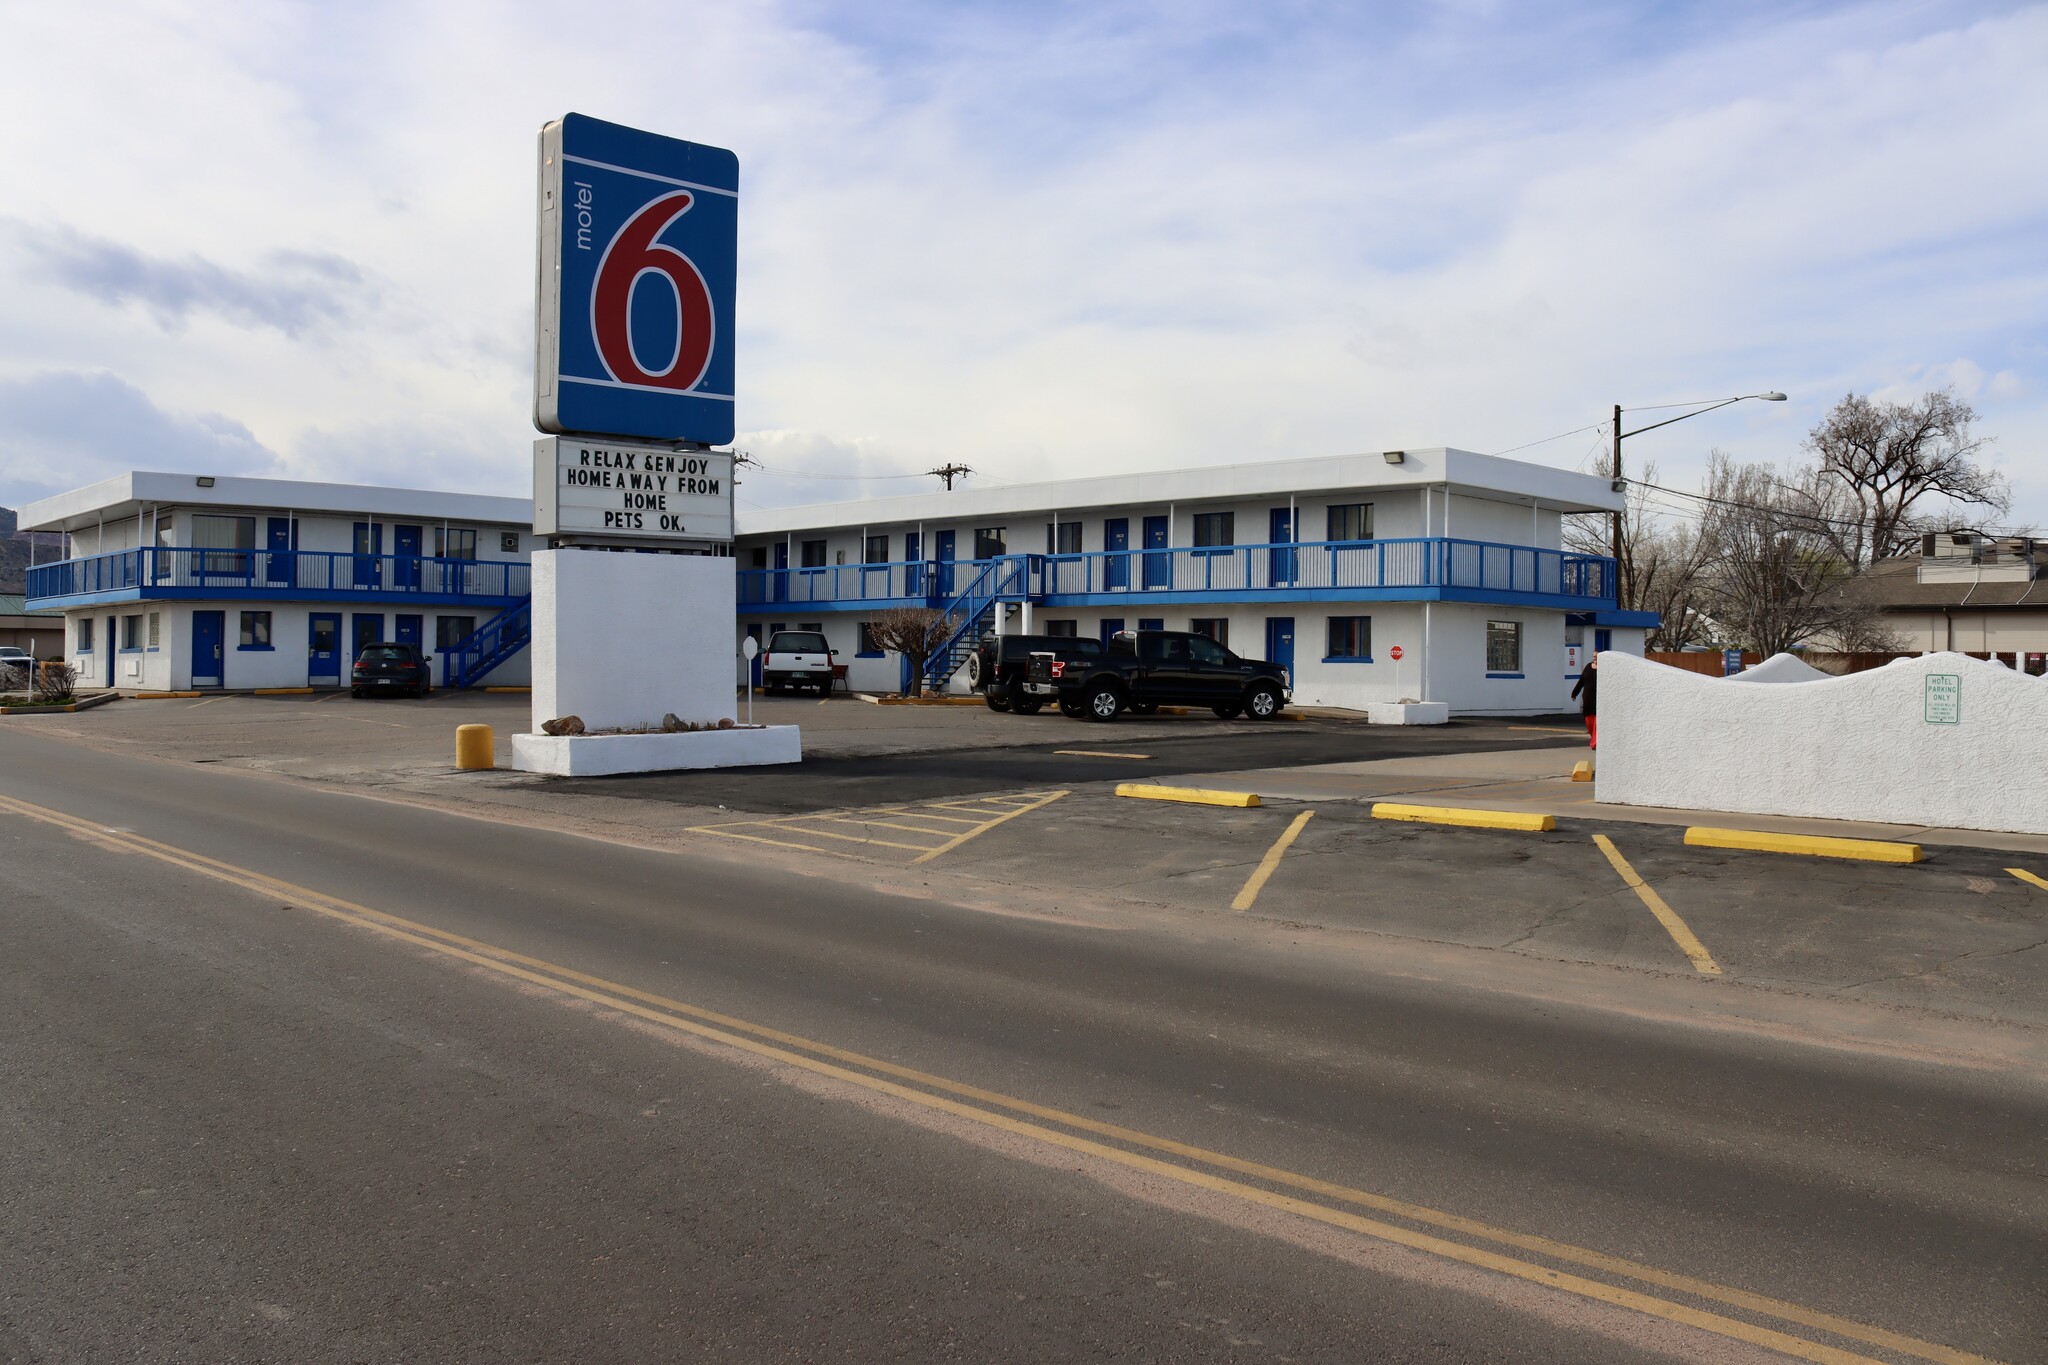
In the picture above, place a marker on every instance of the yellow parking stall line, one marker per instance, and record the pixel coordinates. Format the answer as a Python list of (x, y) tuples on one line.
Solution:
[(1257, 881), (970, 809), (884, 824), (1095, 753), (964, 836), (2027, 876), (848, 838), (1702, 961), (934, 815), (727, 832)]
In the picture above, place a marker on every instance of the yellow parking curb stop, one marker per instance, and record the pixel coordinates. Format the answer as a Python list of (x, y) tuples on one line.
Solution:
[(1582, 771), (1459, 815), (1813, 845), (1194, 796)]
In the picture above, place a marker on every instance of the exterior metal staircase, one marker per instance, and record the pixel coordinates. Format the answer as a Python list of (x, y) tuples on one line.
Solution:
[(970, 614), (493, 642)]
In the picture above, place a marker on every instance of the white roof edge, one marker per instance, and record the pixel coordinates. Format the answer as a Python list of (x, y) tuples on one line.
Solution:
[(1467, 472), (125, 494)]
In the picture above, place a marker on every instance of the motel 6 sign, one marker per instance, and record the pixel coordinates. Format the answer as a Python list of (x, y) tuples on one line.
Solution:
[(638, 246)]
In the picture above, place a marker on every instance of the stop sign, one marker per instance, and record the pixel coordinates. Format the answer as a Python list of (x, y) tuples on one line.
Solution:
[(1395, 652)]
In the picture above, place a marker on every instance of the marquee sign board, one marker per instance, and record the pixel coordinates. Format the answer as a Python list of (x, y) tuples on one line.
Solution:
[(592, 488), (634, 315)]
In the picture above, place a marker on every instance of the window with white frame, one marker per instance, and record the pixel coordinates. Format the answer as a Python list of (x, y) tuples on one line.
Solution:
[(450, 631), (255, 630), (155, 629), (85, 635), (131, 631), (1063, 538), (813, 555), (1503, 646), (876, 551), (866, 645), (226, 540)]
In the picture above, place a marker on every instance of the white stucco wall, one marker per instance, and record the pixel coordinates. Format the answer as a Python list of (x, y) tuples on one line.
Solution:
[(621, 639), (1854, 748)]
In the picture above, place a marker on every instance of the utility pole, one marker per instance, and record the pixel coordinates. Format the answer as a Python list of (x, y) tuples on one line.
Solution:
[(1622, 488), (951, 472)]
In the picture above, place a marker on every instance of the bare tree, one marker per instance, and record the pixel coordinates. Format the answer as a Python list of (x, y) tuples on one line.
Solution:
[(1661, 563), (1775, 575), (914, 632), (1880, 460)]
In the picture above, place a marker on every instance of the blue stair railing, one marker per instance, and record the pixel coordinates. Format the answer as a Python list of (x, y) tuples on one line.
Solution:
[(493, 642), (970, 614)]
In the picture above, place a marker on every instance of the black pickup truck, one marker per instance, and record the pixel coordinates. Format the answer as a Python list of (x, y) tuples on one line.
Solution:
[(996, 668), (1143, 669)]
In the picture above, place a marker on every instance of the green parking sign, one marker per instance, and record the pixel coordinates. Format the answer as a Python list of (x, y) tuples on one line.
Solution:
[(1943, 699)]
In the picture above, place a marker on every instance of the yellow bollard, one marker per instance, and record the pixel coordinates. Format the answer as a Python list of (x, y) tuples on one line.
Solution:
[(473, 745)]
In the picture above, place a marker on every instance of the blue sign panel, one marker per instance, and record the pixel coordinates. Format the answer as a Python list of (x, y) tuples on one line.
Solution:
[(1731, 662), (638, 244)]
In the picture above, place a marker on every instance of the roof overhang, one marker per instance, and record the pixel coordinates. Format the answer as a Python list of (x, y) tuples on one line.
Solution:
[(125, 496)]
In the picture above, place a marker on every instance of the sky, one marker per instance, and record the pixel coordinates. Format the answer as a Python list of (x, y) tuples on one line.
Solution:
[(1040, 240)]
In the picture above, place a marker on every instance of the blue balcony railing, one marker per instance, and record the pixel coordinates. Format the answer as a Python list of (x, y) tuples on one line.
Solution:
[(260, 574), (1430, 567)]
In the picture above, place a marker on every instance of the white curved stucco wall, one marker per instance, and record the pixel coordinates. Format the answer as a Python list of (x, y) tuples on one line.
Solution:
[(1860, 747)]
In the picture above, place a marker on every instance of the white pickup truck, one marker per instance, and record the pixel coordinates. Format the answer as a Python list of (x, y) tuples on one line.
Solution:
[(796, 659)]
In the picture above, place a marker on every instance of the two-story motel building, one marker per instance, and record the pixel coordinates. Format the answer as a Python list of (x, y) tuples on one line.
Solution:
[(1325, 565), (181, 581)]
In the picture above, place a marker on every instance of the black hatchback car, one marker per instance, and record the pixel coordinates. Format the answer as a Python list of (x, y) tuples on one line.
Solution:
[(391, 669)]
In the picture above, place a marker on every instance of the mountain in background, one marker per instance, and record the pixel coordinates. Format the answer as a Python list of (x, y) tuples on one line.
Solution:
[(13, 553)]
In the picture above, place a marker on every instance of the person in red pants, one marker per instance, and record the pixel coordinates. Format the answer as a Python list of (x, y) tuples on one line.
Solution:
[(1587, 690)]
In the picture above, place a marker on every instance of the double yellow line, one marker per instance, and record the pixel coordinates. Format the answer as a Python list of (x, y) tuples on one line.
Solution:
[(993, 1109)]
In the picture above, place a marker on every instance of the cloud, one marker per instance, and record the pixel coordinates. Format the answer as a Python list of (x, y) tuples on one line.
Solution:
[(1066, 238), (67, 428), (293, 292)]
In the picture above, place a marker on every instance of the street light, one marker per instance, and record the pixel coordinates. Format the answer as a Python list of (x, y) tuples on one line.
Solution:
[(1619, 483)]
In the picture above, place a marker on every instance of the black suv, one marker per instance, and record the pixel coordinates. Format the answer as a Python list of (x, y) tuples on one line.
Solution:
[(1148, 668), (391, 669)]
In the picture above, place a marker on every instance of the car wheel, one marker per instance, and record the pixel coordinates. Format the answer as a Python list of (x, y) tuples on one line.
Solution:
[(1263, 702), (1103, 703), (1227, 712), (1072, 709), (995, 701)]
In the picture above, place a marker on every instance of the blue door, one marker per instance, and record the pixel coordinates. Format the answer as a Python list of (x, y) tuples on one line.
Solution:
[(369, 631), (913, 568), (945, 563), (369, 545), (109, 650), (1151, 623), (209, 631), (1280, 642), (1110, 626), (323, 647), (1158, 567), (781, 593), (1279, 562), (1116, 538), (409, 632), (284, 538), (1603, 640), (405, 543)]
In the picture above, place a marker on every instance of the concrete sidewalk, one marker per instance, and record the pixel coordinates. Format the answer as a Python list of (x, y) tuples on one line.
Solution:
[(1539, 780)]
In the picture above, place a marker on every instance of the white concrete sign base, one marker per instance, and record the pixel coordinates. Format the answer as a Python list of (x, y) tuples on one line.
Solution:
[(1408, 713), (607, 755), (621, 640), (1942, 741)]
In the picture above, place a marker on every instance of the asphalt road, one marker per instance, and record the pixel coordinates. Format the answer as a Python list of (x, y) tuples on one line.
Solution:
[(715, 1111)]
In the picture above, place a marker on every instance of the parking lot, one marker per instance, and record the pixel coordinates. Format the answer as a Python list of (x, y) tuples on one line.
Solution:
[(1021, 812)]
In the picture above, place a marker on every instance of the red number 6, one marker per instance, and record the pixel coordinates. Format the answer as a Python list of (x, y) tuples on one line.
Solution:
[(632, 254)]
